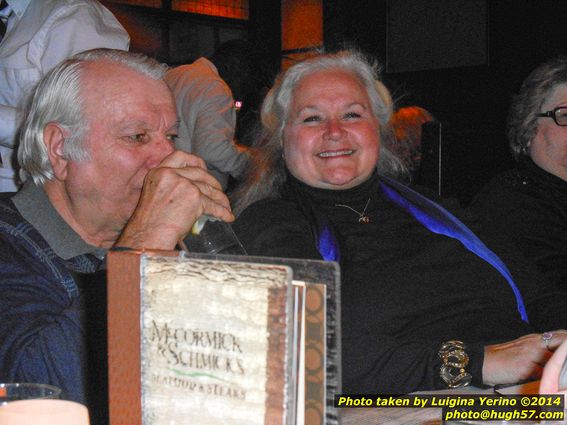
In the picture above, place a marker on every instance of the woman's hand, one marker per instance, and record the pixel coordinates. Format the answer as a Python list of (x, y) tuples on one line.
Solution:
[(552, 371), (519, 360)]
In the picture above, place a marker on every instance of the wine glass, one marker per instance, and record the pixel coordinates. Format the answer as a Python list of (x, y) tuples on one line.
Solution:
[(213, 236)]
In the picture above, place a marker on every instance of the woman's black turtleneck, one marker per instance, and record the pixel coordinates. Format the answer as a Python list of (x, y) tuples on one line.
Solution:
[(404, 289)]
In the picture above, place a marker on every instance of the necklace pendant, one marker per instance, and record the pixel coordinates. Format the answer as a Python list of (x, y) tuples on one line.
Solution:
[(362, 217)]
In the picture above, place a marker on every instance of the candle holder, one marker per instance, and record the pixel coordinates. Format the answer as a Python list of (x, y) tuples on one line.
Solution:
[(24, 391), (43, 412)]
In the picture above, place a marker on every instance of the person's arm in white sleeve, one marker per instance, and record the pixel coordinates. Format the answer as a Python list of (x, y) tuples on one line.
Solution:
[(213, 137), (9, 117), (78, 28)]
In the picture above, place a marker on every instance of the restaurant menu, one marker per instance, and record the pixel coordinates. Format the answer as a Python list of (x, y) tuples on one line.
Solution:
[(214, 343)]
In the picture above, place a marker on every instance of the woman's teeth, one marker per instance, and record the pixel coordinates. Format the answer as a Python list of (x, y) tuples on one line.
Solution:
[(335, 153)]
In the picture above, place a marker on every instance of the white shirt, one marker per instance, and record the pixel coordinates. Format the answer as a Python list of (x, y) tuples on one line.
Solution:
[(40, 34)]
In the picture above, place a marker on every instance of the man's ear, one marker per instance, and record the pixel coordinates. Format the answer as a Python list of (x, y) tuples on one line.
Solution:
[(54, 139)]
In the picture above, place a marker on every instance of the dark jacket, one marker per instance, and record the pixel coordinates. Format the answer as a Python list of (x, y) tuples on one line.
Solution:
[(45, 306), (404, 290), (529, 205)]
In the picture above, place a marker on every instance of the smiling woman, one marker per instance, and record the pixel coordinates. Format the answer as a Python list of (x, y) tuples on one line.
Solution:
[(419, 289), (331, 139)]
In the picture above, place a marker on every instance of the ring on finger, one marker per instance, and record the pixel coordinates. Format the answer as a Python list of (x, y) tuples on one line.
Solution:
[(547, 337)]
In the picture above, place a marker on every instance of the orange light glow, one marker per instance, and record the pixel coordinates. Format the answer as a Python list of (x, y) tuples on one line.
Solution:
[(236, 9)]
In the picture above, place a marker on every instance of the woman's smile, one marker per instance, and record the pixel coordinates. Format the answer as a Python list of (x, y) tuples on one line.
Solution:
[(332, 138), (335, 154)]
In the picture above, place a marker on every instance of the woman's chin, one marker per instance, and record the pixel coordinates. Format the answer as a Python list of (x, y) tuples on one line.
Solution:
[(341, 181)]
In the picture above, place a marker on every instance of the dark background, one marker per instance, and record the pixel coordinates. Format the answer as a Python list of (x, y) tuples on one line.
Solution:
[(461, 59), (464, 77)]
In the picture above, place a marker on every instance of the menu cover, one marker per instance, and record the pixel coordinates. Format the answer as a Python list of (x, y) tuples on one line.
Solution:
[(214, 342), (208, 342), (213, 339)]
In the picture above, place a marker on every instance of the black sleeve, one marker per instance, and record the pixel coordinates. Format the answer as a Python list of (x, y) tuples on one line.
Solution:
[(546, 303), (383, 364), (534, 222), (496, 219), (276, 228)]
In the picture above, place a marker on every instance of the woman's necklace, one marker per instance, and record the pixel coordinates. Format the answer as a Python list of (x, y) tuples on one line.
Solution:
[(362, 217)]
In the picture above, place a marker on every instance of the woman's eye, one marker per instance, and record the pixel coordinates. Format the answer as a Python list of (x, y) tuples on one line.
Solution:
[(350, 115), (561, 113), (172, 137), (312, 118)]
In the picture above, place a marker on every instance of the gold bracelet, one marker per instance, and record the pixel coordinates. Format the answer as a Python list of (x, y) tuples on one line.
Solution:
[(455, 360)]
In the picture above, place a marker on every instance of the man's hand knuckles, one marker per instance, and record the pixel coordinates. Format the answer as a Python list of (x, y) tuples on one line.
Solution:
[(169, 178)]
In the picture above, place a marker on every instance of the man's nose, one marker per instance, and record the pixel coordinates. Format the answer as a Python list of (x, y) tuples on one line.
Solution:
[(160, 149)]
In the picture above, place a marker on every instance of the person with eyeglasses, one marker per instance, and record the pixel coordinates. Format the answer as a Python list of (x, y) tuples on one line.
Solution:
[(529, 202)]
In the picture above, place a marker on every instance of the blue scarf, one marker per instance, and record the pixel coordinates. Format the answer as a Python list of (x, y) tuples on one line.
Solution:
[(437, 220)]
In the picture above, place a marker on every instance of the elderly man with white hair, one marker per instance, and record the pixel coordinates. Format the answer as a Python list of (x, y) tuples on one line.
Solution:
[(97, 150)]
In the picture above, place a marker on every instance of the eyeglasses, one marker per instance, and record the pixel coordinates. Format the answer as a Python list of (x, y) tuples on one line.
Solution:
[(559, 115)]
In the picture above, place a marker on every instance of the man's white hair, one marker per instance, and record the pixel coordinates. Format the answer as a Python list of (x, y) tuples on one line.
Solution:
[(57, 99)]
